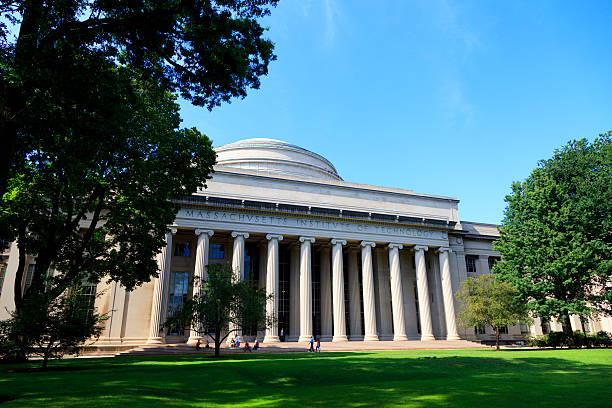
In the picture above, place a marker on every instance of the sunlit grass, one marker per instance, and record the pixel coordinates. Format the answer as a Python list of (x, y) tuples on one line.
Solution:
[(462, 378)]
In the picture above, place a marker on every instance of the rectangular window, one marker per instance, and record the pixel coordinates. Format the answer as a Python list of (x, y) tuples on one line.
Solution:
[(470, 263), (545, 326), (89, 296), (2, 273), (216, 251), (492, 262), (29, 276), (179, 283), (524, 328), (181, 249), (503, 330)]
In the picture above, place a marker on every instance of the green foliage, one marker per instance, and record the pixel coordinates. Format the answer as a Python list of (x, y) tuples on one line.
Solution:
[(223, 305), (50, 326), (488, 301), (555, 239), (576, 340)]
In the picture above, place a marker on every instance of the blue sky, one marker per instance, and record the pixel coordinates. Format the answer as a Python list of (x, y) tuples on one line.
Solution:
[(440, 97)]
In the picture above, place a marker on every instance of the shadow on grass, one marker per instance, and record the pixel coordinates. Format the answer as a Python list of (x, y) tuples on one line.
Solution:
[(326, 379)]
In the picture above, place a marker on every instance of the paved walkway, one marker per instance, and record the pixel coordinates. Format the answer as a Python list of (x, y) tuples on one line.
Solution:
[(292, 347)]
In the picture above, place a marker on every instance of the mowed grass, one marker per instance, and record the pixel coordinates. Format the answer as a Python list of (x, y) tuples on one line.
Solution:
[(458, 378)]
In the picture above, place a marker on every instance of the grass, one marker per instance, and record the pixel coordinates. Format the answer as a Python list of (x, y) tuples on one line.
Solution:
[(458, 378)]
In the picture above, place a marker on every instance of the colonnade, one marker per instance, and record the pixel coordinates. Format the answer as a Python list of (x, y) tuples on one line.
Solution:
[(332, 293)]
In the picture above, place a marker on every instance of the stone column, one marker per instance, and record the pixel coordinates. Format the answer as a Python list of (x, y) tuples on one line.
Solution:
[(238, 268), (423, 290), (294, 293), (326, 304), (199, 273), (338, 290), (447, 294), (355, 298), (397, 303), (305, 289), (272, 287), (369, 312), (156, 335), (238, 254)]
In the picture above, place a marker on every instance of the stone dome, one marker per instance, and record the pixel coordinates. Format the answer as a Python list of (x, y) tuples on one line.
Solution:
[(275, 157)]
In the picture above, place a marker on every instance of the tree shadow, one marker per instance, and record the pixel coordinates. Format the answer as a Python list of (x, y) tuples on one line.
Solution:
[(327, 379)]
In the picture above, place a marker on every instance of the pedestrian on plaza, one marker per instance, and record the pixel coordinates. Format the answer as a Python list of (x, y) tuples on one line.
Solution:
[(233, 343), (238, 341), (311, 350), (256, 346), (318, 345), (247, 347), (282, 336), (198, 345)]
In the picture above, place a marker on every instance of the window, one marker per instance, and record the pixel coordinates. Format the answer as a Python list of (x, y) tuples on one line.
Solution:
[(216, 251), (545, 326), (503, 330), (88, 294), (492, 262), (2, 273), (179, 282), (470, 263), (181, 249), (29, 276), (524, 328)]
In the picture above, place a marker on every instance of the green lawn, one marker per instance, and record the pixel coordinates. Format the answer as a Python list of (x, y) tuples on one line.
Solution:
[(458, 378)]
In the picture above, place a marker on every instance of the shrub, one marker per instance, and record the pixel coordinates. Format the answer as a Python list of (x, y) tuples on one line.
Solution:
[(557, 339), (601, 339)]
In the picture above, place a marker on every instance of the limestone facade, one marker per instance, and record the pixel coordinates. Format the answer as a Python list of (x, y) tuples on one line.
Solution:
[(344, 261)]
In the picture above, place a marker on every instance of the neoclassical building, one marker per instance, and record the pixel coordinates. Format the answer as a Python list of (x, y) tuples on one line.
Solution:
[(345, 261)]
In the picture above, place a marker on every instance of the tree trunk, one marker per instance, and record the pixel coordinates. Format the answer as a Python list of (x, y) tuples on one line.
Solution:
[(497, 338), (567, 329), (45, 360)]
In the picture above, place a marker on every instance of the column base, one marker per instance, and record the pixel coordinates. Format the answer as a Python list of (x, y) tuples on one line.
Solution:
[(325, 337), (194, 340), (271, 339), (155, 340), (304, 339), (370, 337), (427, 337), (400, 337), (339, 338), (453, 337)]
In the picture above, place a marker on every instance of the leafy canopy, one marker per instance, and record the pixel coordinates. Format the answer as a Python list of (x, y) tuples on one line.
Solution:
[(489, 301), (556, 236)]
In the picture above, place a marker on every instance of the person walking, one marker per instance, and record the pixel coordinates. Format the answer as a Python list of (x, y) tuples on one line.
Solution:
[(318, 345), (282, 335), (311, 350), (238, 341), (197, 345)]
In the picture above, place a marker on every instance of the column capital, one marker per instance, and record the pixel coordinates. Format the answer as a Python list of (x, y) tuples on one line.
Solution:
[(393, 245), (274, 236), (338, 241), (235, 234), (421, 248), (368, 243), (199, 232), (172, 229), (444, 249), (307, 239)]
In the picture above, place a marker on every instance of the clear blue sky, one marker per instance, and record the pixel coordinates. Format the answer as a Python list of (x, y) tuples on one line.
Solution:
[(440, 97)]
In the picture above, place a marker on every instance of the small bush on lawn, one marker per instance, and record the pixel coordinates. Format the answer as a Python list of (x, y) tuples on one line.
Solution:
[(578, 340), (601, 339)]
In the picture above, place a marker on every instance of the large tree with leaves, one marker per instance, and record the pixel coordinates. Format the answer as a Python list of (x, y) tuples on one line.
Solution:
[(207, 50), (556, 236)]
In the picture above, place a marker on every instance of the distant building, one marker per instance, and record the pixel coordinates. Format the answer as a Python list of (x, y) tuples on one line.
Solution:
[(346, 260)]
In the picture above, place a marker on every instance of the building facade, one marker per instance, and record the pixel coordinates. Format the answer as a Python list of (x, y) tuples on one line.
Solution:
[(345, 261)]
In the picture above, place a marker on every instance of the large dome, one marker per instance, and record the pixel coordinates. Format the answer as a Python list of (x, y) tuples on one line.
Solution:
[(275, 157)]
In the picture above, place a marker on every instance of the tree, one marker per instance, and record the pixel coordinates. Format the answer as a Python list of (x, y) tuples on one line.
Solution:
[(488, 301), (223, 306), (94, 199), (52, 326), (556, 240), (209, 51)]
